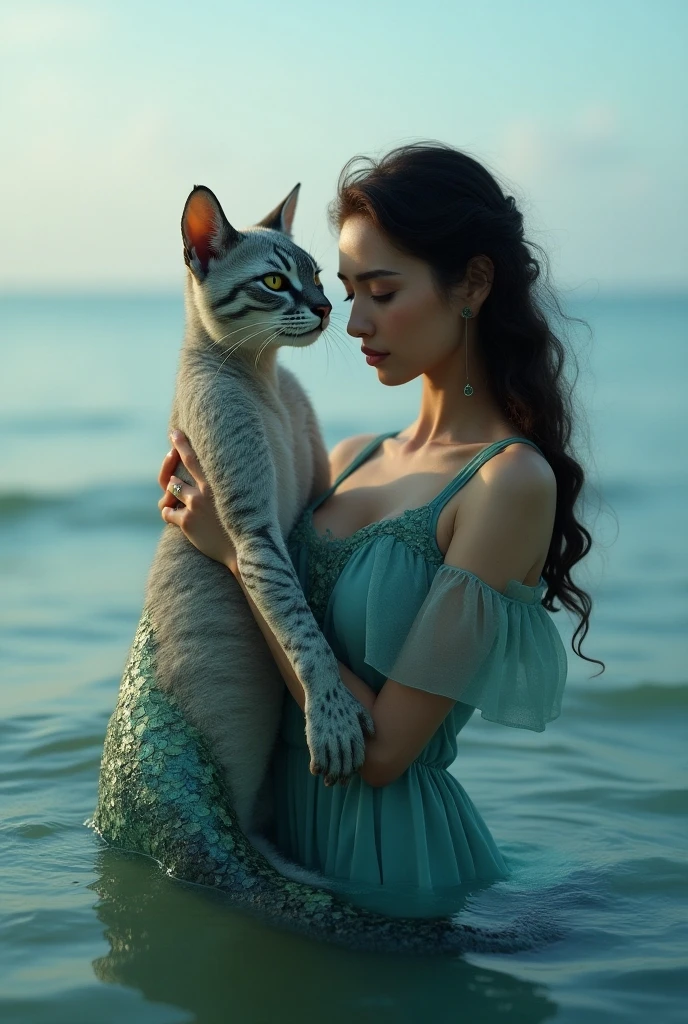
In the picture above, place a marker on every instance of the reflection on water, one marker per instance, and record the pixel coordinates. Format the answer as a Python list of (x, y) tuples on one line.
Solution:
[(234, 968)]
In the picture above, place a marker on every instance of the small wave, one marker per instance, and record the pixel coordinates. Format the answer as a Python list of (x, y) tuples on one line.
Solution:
[(20, 504), (640, 698), (60, 423), (102, 507)]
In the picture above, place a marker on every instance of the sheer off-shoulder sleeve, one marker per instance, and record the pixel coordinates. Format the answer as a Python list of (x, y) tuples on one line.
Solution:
[(499, 653)]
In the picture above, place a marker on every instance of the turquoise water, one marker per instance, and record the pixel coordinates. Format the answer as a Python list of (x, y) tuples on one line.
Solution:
[(591, 812)]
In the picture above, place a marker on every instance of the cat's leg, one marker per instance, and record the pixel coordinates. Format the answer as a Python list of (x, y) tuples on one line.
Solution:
[(239, 467), (335, 719)]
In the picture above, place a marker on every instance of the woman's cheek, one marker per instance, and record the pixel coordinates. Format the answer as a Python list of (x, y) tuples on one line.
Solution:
[(409, 321), (403, 318)]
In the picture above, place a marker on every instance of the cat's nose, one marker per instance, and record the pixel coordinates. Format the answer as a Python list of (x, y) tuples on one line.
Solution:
[(322, 311)]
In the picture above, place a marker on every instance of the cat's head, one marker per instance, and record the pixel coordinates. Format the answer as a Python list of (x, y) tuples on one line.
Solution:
[(253, 289)]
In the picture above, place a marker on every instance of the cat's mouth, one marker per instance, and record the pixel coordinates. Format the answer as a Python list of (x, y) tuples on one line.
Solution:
[(303, 334)]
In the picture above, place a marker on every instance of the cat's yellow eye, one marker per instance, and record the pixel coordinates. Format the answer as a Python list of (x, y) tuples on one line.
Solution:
[(273, 281), (317, 280)]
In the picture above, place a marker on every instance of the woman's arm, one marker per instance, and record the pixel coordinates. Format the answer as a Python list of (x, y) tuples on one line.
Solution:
[(503, 532), (361, 690), (405, 719), (410, 715)]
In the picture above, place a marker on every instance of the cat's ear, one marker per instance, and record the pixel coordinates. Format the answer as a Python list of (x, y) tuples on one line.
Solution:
[(206, 231), (282, 217)]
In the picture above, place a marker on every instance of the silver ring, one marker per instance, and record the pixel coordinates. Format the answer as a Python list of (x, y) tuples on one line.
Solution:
[(176, 490)]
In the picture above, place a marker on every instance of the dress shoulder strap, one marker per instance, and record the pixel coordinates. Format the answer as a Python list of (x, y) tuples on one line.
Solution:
[(360, 458), (468, 471)]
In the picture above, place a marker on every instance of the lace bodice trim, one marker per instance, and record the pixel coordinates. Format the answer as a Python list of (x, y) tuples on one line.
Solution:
[(327, 555)]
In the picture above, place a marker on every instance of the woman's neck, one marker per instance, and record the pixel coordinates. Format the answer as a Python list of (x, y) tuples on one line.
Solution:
[(448, 417)]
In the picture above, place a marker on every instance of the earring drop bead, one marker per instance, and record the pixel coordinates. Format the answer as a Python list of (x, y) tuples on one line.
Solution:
[(466, 313)]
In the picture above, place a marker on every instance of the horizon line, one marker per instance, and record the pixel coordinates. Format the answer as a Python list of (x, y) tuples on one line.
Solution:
[(627, 289)]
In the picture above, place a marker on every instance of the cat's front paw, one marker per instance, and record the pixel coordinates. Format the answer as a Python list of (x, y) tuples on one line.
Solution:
[(336, 726)]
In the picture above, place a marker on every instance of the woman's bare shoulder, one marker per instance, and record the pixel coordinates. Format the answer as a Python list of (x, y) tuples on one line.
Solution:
[(515, 490), (345, 451), (519, 471)]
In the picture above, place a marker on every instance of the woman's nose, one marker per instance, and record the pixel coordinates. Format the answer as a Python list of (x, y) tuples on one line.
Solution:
[(357, 327)]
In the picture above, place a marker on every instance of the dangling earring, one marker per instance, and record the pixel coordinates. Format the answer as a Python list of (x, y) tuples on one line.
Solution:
[(467, 313)]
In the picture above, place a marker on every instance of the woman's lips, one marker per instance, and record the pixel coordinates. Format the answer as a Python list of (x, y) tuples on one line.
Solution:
[(373, 357)]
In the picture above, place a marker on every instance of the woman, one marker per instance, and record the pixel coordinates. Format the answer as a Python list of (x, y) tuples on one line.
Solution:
[(431, 559)]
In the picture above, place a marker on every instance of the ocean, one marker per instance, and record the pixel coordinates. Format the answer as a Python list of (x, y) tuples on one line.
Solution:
[(593, 811)]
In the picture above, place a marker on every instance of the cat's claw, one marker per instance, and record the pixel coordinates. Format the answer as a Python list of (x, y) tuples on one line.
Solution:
[(335, 732)]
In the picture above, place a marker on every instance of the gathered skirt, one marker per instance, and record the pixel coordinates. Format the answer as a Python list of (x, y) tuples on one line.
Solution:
[(416, 847)]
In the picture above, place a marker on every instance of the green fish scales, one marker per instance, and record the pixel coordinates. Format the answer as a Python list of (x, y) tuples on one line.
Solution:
[(161, 794)]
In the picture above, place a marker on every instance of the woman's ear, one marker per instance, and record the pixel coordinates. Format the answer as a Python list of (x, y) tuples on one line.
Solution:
[(477, 282), (206, 231)]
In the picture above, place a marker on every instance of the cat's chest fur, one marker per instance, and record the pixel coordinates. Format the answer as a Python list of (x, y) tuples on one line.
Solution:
[(274, 404), (284, 417)]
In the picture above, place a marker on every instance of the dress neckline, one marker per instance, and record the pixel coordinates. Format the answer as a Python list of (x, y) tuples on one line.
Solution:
[(515, 590), (434, 506), (329, 538)]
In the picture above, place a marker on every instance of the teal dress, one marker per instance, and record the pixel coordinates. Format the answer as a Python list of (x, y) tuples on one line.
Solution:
[(390, 608)]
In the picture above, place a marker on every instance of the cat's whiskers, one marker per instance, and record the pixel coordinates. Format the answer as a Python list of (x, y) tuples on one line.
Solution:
[(254, 335), (265, 345), (334, 332), (244, 327), (238, 344), (339, 333), (241, 342), (218, 342), (340, 326)]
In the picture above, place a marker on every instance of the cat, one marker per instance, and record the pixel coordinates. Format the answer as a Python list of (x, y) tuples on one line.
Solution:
[(257, 439)]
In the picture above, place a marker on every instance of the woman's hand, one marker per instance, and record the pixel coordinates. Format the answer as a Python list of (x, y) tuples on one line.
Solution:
[(191, 507)]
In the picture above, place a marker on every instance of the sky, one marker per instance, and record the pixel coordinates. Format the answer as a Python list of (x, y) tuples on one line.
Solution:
[(111, 112)]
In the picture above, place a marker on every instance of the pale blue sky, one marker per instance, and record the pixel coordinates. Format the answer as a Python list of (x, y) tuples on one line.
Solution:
[(111, 112)]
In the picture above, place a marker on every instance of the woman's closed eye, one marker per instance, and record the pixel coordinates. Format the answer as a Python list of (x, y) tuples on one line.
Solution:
[(376, 298)]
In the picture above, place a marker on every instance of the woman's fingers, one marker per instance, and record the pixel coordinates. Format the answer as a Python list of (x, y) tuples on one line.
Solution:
[(168, 500), (179, 491), (169, 464), (174, 515), (188, 456), (178, 499)]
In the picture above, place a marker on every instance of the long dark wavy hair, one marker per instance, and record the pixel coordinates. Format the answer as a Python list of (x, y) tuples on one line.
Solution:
[(442, 206)]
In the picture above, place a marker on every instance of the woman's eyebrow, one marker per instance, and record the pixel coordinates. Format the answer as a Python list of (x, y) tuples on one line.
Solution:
[(370, 274)]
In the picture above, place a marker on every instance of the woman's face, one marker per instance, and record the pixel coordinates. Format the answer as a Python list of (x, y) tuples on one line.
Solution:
[(395, 306)]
